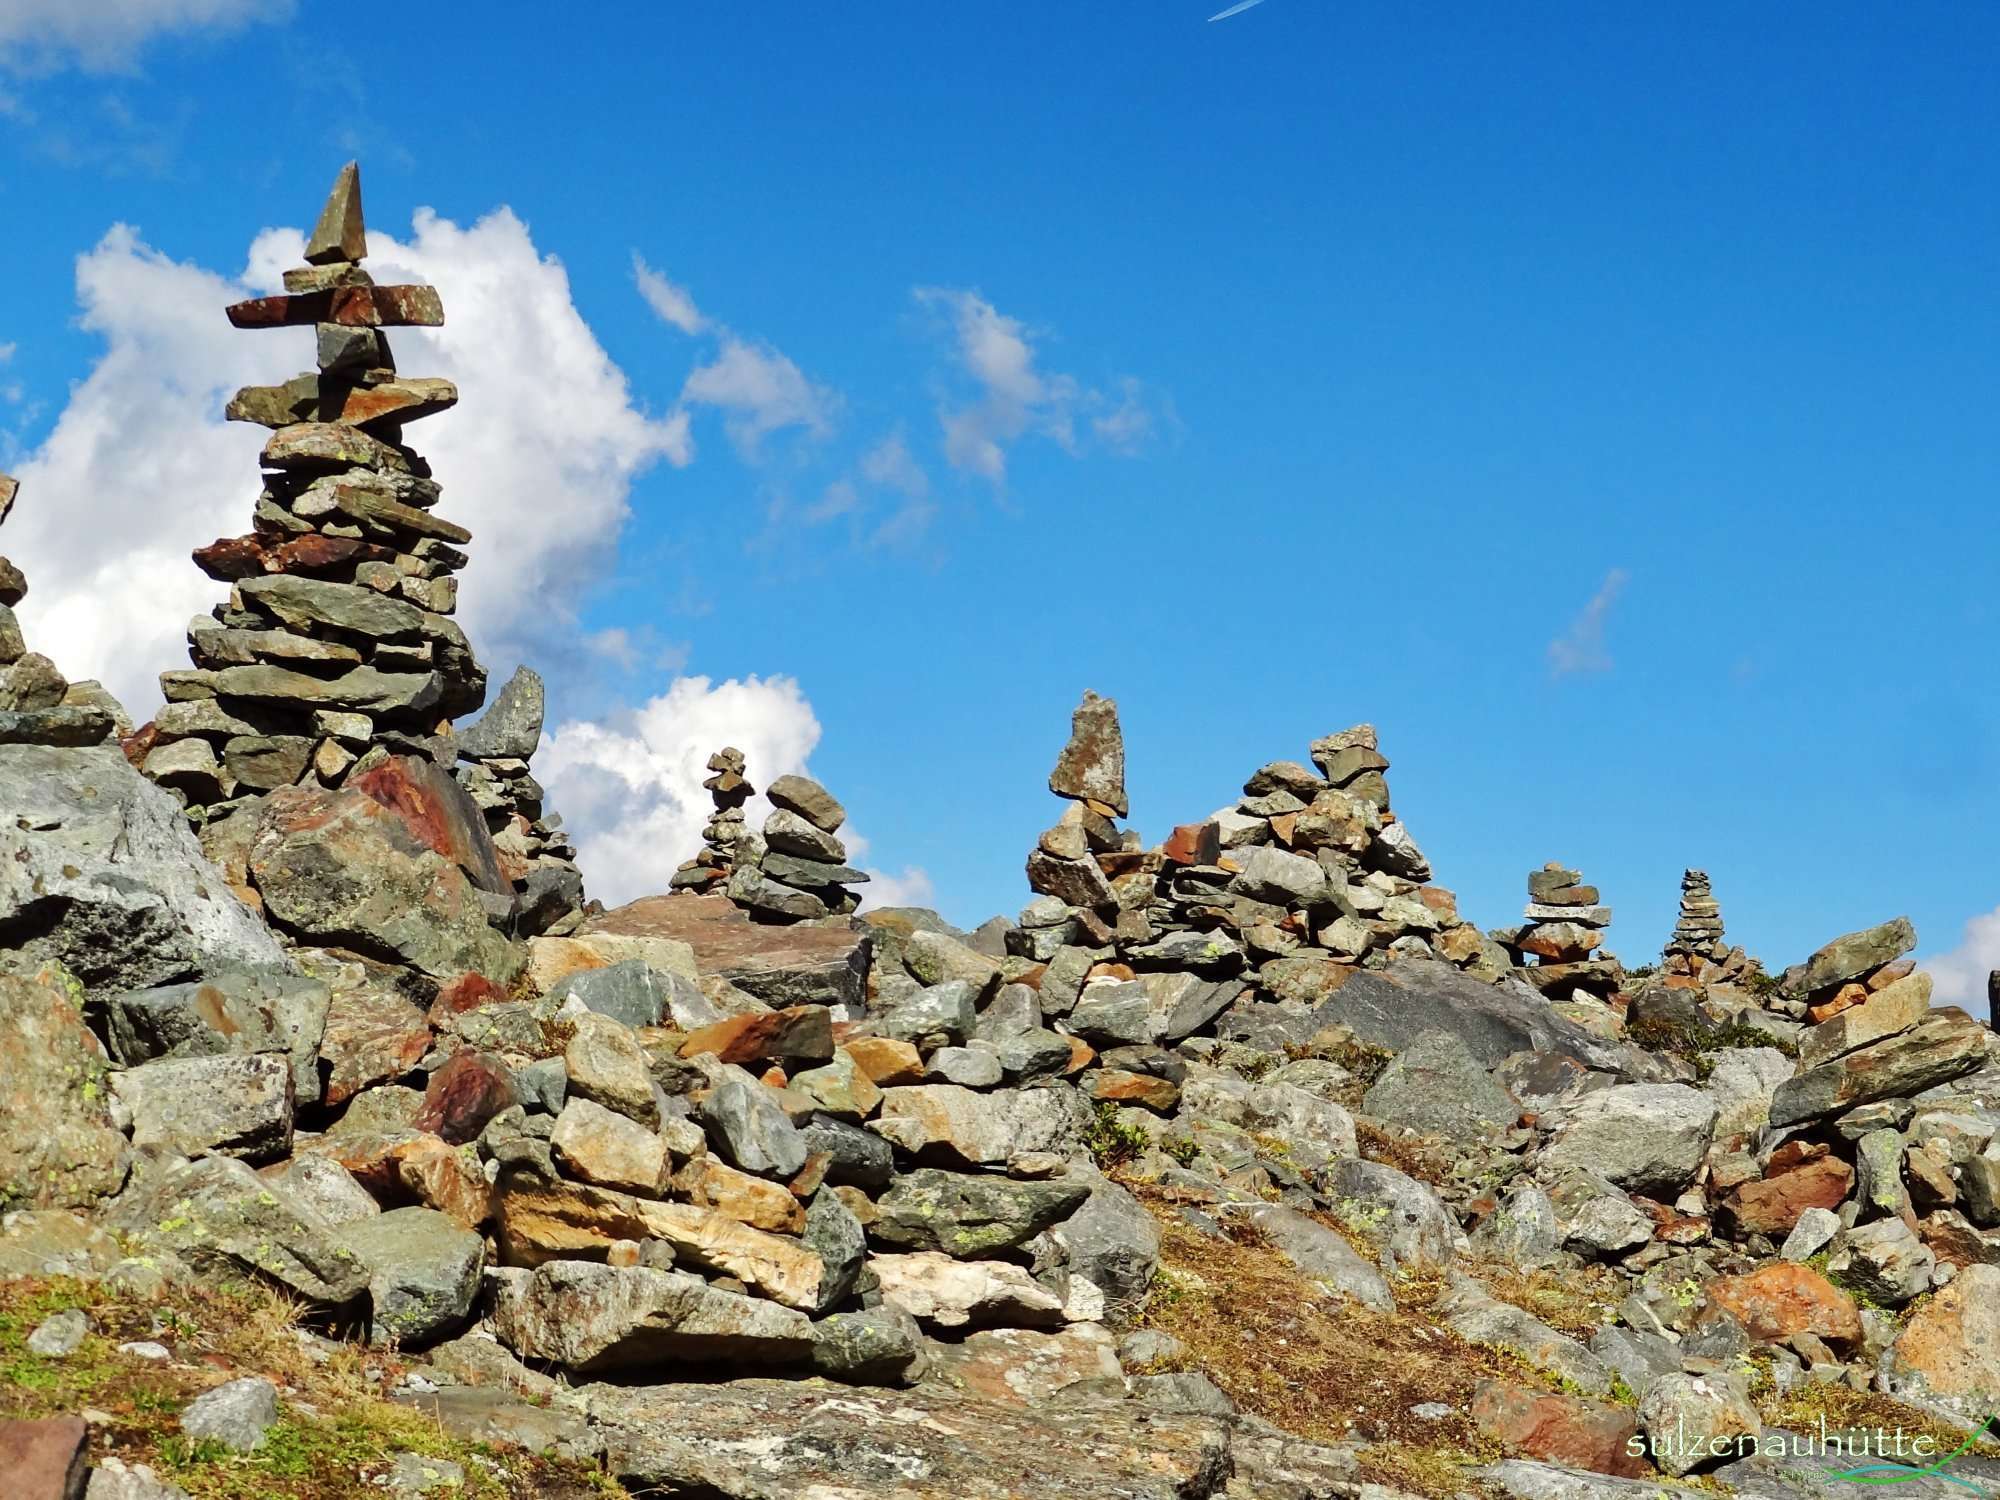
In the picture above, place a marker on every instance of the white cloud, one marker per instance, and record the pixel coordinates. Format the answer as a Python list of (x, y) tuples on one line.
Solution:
[(106, 34), (910, 886), (537, 460), (1959, 977), (890, 465), (630, 787), (1014, 397), (1581, 648), (674, 305), (759, 391)]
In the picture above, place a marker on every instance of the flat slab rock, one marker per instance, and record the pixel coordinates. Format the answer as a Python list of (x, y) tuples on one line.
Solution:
[(795, 965), (777, 1440)]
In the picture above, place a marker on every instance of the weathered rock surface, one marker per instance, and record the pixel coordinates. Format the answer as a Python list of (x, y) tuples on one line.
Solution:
[(58, 1147), (594, 1317)]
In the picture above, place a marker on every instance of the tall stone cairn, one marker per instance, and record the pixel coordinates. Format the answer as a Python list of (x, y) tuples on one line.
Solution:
[(38, 705), (728, 790), (1096, 880), (337, 636), (1563, 935), (1696, 950)]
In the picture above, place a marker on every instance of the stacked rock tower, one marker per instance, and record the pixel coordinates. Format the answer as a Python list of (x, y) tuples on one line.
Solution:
[(728, 789), (1696, 951), (337, 635), (796, 870), (38, 705), (1093, 873), (1564, 934)]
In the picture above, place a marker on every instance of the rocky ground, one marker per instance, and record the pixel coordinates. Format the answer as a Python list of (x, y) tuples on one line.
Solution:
[(346, 1147)]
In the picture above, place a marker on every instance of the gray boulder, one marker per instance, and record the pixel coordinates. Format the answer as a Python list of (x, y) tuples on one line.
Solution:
[(235, 1106), (631, 992), (511, 728), (1436, 1085), (589, 1317), (970, 1217), (58, 1145), (238, 1415), (1322, 1255), (1650, 1138), (100, 872), (423, 1273), (1405, 1221), (1112, 1242), (237, 1012), (876, 1346)]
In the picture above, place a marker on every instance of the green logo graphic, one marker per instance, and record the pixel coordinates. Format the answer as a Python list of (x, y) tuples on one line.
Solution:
[(1903, 1473)]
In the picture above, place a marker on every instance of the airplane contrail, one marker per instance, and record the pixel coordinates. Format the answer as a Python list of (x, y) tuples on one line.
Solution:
[(1235, 10)]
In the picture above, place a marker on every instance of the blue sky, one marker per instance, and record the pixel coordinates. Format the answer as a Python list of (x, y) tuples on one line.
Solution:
[(1599, 401)]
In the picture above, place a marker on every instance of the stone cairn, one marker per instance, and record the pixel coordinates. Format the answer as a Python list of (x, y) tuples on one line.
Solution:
[(1148, 944), (1851, 971), (38, 705), (1564, 935), (336, 638), (796, 870), (535, 854), (727, 788), (1696, 951)]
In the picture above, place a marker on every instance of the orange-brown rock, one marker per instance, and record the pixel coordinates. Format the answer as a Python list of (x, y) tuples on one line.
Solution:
[(1784, 1298), (1564, 1430), (802, 1033), (1772, 1205), (1845, 998), (1116, 1086), (886, 1062), (709, 1183), (463, 1095), (1193, 844)]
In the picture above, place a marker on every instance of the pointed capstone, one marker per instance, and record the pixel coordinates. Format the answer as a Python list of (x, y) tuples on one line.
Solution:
[(9, 488), (340, 234), (1092, 765)]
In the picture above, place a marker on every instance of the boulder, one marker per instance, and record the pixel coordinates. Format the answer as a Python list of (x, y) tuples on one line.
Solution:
[(45, 1459), (437, 813), (100, 872), (1852, 957), (749, 1127), (1437, 1086), (234, 1106), (1774, 1205), (423, 1273), (941, 1292), (511, 727), (1944, 1045), (340, 869), (218, 1215), (1472, 1314), (1561, 1429), (1893, 1009), (1650, 1138), (1948, 1354), (239, 1415), (232, 1012), (1884, 1260), (1778, 1301), (1112, 1242), (601, 1146), (1696, 1422), (590, 1317), (58, 1146), (1091, 767), (877, 1346), (968, 1216), (1406, 1222), (778, 1440), (631, 992), (780, 965), (1321, 1255), (975, 1129)]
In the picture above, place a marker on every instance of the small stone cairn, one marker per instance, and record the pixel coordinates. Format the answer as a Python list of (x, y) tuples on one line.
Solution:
[(1564, 935), (728, 790), (796, 870), (337, 636), (1092, 875), (1696, 953), (38, 705), (535, 854)]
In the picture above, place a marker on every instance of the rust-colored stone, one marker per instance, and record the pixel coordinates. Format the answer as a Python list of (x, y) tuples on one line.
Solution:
[(467, 992), (885, 1061), (1784, 1298), (802, 1033), (1193, 844), (463, 1095), (44, 1460), (1116, 1086), (372, 1035), (349, 306), (1772, 1205), (439, 814), (1564, 1430)]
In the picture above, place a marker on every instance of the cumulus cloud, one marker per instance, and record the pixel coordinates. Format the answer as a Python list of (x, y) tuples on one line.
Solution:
[(629, 786), (759, 391), (1959, 977), (1581, 648), (672, 304), (537, 460), (108, 34), (1013, 396)]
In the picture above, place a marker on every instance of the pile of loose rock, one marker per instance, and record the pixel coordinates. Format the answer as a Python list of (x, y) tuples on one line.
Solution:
[(337, 634), (1696, 952), (728, 790), (38, 705), (1563, 935)]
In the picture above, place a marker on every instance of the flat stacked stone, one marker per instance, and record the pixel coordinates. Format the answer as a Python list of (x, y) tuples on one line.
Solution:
[(1563, 936), (1850, 970), (494, 755), (38, 705), (1696, 952), (796, 870), (337, 636), (728, 789)]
